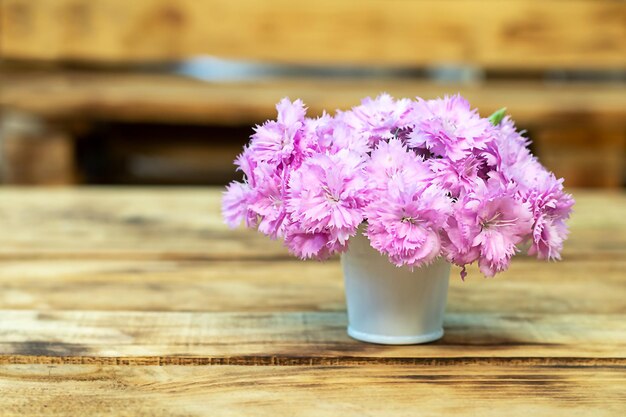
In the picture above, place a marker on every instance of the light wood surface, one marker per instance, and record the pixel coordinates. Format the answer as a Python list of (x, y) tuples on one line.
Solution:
[(124, 223), (185, 224), (141, 302), (515, 34), (295, 337), (292, 285), (443, 390)]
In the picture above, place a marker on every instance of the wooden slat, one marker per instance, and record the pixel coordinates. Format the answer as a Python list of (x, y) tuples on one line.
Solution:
[(170, 98), (580, 287), (33, 152), (171, 285), (312, 391), (175, 224), (124, 223), (520, 34), (300, 337), (570, 153)]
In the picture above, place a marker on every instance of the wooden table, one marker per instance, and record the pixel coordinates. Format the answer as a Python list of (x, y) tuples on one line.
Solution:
[(139, 302)]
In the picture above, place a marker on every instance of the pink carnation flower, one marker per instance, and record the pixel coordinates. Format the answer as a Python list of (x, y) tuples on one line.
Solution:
[(459, 177), (391, 159), (404, 221), (488, 225), (238, 196), (430, 178), (380, 118), (345, 137), (235, 202), (511, 145), (551, 207), (275, 141), (504, 222), (318, 245), (268, 202), (326, 198), (448, 127)]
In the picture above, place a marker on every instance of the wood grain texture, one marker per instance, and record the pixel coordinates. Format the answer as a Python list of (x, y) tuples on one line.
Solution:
[(125, 223), (529, 286), (140, 302), (299, 337), (185, 224), (171, 98), (312, 391), (522, 34)]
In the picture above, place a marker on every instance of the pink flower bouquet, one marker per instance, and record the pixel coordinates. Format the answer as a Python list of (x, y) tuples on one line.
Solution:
[(428, 178)]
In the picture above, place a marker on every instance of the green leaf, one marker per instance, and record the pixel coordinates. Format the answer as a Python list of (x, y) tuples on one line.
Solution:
[(497, 116)]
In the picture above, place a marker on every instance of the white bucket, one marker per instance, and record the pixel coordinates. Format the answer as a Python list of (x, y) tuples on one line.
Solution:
[(391, 305)]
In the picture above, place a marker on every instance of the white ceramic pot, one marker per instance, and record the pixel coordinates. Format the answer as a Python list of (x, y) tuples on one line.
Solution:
[(391, 305)]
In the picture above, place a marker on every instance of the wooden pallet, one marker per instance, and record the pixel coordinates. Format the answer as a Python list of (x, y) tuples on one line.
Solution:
[(579, 130)]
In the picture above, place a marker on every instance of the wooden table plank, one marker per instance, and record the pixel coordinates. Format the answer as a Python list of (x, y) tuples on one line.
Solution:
[(100, 285), (313, 391), (302, 337), (175, 224), (125, 223), (529, 286)]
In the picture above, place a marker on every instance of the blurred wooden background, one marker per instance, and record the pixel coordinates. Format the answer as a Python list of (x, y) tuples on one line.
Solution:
[(166, 92)]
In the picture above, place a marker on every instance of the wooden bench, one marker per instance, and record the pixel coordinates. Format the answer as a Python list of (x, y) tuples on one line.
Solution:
[(141, 302), (579, 129)]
